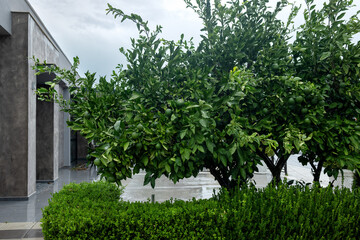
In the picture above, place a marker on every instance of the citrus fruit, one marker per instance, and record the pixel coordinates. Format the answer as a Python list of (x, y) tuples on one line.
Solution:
[(97, 162), (134, 135), (307, 121), (265, 110), (168, 112), (307, 91), (299, 99), (140, 127), (138, 145), (180, 102), (304, 111), (158, 146), (291, 101)]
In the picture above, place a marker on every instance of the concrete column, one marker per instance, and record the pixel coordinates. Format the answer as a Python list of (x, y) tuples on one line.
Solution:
[(45, 155), (52, 136), (15, 151)]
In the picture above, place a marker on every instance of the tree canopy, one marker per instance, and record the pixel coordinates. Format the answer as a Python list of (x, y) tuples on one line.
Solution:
[(245, 94)]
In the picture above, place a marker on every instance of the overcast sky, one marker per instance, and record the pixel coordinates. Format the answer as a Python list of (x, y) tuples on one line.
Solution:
[(82, 28)]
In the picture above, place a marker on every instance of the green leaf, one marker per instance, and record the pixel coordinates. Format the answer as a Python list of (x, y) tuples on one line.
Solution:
[(192, 106), (126, 145), (232, 149), (145, 160), (340, 16), (223, 159), (186, 154), (203, 123), (117, 125), (167, 168), (104, 146), (201, 149), (152, 182), (243, 173), (42, 90), (204, 114), (333, 105), (210, 145), (147, 178), (135, 95), (183, 133), (325, 55)]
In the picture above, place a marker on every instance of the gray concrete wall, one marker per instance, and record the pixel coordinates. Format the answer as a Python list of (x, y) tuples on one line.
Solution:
[(44, 49), (58, 146), (44, 141), (14, 93), (18, 104)]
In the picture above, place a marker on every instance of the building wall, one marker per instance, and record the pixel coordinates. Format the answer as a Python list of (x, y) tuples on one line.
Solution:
[(19, 123), (44, 141), (14, 132)]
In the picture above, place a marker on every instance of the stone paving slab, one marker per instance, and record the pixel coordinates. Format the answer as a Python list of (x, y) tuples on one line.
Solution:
[(21, 230)]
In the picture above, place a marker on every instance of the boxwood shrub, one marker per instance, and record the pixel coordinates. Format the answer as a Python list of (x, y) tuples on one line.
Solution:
[(93, 211)]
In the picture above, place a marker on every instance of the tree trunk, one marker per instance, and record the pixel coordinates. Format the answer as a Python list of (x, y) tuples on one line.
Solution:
[(223, 181), (317, 169), (276, 174), (275, 168), (357, 179)]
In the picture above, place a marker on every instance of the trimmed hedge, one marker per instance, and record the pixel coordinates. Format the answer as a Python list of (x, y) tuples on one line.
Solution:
[(92, 211)]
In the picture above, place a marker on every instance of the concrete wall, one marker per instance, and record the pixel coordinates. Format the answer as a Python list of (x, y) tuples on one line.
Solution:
[(45, 141), (16, 180), (18, 106)]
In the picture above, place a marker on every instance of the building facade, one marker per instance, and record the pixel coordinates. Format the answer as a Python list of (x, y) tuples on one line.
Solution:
[(34, 138)]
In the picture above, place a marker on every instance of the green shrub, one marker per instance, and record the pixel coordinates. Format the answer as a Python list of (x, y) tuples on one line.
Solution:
[(271, 213), (78, 209)]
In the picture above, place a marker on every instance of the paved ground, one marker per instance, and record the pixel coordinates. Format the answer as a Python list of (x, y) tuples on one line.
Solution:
[(20, 219), (21, 230)]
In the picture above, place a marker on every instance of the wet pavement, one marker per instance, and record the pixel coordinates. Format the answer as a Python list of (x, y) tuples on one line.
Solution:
[(30, 210)]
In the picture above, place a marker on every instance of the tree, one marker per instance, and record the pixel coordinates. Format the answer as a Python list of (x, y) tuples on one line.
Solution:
[(325, 55), (237, 98), (250, 36)]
